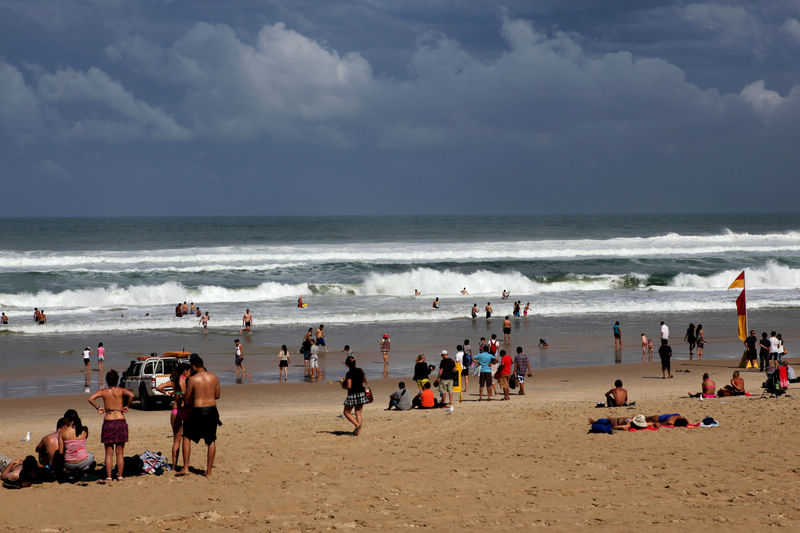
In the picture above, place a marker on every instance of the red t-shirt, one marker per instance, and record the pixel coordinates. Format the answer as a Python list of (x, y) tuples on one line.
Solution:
[(507, 364), (426, 398)]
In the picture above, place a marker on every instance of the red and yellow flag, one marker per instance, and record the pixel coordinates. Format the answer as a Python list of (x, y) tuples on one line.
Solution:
[(741, 306), (738, 283)]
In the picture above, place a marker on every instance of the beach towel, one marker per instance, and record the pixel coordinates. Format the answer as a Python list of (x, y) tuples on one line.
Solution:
[(648, 428), (783, 374)]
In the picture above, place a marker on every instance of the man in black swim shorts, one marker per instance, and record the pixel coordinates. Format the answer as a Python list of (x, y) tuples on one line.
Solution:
[(202, 393)]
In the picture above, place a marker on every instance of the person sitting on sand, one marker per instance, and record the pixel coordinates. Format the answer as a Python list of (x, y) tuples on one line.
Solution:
[(617, 397), (72, 443), (736, 388), (425, 399), (708, 388), (47, 449), (400, 399)]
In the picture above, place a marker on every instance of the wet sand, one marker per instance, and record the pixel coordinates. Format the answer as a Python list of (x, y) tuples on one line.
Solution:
[(286, 462)]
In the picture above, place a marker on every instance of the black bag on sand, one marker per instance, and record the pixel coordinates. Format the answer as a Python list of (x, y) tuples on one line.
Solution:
[(512, 381)]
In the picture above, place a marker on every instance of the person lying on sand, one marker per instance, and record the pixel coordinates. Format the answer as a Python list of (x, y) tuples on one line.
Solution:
[(625, 423), (708, 388), (23, 472), (668, 420)]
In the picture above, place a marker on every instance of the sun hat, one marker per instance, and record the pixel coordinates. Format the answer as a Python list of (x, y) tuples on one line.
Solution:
[(639, 421), (709, 422), (444, 352)]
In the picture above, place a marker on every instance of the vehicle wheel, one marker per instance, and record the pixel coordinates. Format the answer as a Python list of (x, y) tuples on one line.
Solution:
[(144, 398)]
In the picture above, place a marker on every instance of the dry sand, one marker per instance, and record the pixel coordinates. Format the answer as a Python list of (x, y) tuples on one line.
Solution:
[(286, 463)]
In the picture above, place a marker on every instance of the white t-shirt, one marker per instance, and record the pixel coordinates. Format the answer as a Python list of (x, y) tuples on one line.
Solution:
[(314, 352), (460, 358), (774, 345), (664, 332), (86, 354)]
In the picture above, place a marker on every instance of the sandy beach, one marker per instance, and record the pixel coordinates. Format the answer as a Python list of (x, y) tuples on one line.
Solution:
[(287, 463)]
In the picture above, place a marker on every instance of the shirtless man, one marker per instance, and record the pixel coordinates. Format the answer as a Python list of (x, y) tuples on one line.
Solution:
[(3, 319), (416, 292), (48, 446), (464, 291), (247, 321), (474, 311), (202, 393), (617, 397), (385, 346), (505, 294), (320, 337), (42, 317), (507, 330), (192, 308), (488, 309), (35, 315), (668, 420), (204, 321), (185, 309), (238, 360)]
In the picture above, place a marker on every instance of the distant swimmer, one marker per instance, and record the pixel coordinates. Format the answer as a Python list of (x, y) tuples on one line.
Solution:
[(488, 309), (3, 319), (42, 317), (300, 302), (192, 308), (464, 291), (505, 295), (474, 311), (436, 303), (204, 322), (247, 322), (199, 313), (178, 311), (185, 309), (416, 292)]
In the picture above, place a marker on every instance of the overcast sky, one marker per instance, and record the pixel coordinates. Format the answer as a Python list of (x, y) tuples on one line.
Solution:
[(258, 107)]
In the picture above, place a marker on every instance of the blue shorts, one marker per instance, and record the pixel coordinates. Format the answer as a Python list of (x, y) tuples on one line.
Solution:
[(320, 341), (662, 418)]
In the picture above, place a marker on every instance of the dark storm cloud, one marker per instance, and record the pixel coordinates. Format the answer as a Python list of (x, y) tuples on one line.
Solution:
[(168, 107)]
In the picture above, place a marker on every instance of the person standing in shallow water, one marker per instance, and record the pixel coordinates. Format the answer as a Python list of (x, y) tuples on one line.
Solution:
[(691, 339), (385, 346), (617, 335)]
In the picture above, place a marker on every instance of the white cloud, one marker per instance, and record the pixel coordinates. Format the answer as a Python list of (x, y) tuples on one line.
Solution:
[(760, 97), (68, 86), (791, 28), (20, 113)]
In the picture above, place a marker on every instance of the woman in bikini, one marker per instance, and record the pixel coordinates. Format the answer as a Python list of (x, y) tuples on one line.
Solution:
[(114, 433), (179, 414), (644, 346), (700, 340), (72, 443)]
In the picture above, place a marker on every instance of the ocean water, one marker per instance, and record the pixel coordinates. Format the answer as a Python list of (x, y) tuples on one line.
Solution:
[(95, 275)]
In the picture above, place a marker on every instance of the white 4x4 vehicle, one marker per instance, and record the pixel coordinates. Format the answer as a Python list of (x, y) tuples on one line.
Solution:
[(146, 373)]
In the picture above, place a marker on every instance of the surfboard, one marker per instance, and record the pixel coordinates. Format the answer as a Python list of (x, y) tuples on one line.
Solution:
[(303, 306)]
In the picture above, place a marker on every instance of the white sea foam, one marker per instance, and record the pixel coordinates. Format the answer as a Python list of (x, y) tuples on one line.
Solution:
[(266, 257), (770, 276)]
